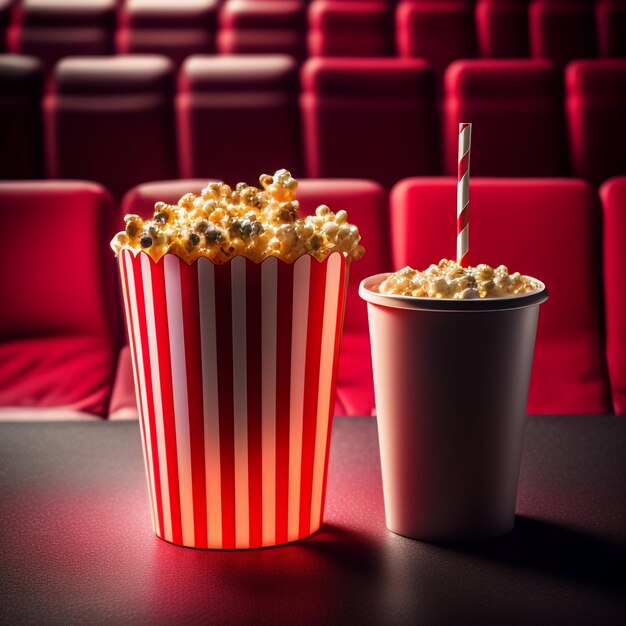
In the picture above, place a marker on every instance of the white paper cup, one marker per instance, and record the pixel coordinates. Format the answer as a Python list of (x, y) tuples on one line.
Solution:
[(235, 368), (451, 384)]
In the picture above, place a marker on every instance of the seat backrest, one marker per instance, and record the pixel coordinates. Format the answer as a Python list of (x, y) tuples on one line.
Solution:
[(271, 27), (21, 87), (175, 29), (59, 328), (516, 107), (353, 28), (611, 27), (52, 29), (546, 228), (373, 118), (238, 116), (439, 32), (502, 28), (596, 115), (110, 119), (613, 194), (562, 30)]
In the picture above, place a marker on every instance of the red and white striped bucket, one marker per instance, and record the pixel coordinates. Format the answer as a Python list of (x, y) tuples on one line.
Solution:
[(235, 368)]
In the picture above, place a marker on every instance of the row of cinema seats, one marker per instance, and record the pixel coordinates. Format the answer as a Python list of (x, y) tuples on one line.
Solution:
[(61, 333), (440, 31), (121, 120)]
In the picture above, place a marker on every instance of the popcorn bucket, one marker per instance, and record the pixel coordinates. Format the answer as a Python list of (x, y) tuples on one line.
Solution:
[(451, 384), (235, 368)]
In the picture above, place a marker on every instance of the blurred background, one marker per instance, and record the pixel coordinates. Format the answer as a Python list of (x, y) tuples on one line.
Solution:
[(107, 106)]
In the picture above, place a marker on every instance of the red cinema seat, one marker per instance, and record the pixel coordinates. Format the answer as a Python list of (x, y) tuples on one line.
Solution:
[(110, 119), (52, 29), (58, 323), (611, 27), (546, 228), (350, 28), (516, 108), (267, 26), (366, 204), (562, 30), (596, 113), (21, 86), (613, 194), (373, 118), (439, 32), (238, 116), (174, 28), (502, 28)]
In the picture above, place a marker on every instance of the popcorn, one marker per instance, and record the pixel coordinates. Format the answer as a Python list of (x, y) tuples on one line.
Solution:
[(448, 279), (223, 222)]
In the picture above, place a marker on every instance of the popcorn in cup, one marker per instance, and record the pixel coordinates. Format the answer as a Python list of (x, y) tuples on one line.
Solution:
[(452, 351), (234, 307)]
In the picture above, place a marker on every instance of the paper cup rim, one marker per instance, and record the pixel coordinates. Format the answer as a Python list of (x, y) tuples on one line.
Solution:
[(369, 284), (136, 253)]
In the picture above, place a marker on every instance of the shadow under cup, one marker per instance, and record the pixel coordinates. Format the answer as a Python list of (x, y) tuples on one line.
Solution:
[(235, 368), (451, 382)]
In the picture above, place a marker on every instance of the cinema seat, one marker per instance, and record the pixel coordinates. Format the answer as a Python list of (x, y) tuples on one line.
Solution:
[(58, 326), (110, 119), (366, 203), (502, 28), (611, 27), (595, 105), (52, 29), (613, 194), (341, 28), (238, 116), (439, 32), (545, 228), (263, 27), (174, 28), (21, 85), (562, 30), (517, 110), (371, 118)]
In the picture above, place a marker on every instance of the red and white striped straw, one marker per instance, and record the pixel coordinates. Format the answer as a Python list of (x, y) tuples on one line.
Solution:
[(462, 197)]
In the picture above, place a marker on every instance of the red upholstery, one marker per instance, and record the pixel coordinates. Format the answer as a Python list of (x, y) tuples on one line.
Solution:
[(562, 30), (611, 27), (21, 84), (110, 119), (52, 29), (517, 110), (544, 228), (596, 113), (502, 28), (371, 118), (5, 20), (58, 325), (350, 28), (174, 28), (366, 204), (439, 32), (270, 26), (613, 194), (238, 116)]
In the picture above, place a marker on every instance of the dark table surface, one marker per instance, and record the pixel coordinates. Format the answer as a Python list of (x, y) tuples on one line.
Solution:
[(76, 544)]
